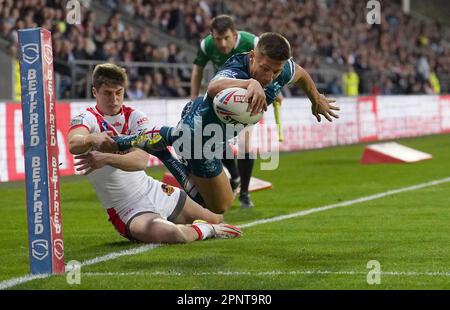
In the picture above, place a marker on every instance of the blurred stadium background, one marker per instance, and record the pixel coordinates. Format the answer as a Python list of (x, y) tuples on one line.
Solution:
[(403, 69), (157, 40)]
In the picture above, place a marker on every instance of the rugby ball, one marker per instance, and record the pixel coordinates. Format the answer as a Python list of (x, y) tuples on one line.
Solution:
[(230, 107)]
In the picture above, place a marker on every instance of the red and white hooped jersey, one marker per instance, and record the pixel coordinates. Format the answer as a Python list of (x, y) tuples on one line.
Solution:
[(116, 188)]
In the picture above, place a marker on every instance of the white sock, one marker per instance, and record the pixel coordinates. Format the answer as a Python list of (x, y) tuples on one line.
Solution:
[(204, 230)]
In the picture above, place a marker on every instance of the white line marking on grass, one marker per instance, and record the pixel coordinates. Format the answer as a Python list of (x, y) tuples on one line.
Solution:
[(27, 278), (346, 203), (24, 279), (265, 273)]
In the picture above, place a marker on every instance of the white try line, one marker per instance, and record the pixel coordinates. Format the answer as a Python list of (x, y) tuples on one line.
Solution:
[(27, 278), (24, 279), (263, 273)]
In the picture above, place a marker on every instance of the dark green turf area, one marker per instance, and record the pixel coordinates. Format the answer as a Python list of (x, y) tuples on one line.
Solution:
[(408, 233)]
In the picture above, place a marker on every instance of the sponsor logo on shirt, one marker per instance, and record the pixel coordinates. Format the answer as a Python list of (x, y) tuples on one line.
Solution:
[(227, 73), (167, 189), (142, 120), (77, 120)]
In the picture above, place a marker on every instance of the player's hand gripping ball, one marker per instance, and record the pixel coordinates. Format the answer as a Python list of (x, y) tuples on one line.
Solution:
[(230, 107)]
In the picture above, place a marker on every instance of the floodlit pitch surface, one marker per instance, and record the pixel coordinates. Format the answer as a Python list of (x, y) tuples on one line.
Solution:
[(407, 231)]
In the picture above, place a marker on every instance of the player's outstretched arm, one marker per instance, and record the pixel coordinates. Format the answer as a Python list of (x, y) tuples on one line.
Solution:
[(81, 141), (218, 84), (135, 160), (320, 103)]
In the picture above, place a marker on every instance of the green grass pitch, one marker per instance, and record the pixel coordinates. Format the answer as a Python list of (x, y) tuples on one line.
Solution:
[(408, 233)]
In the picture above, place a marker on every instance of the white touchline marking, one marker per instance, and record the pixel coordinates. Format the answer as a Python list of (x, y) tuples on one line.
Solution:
[(346, 203), (144, 248), (27, 278), (16, 281), (263, 273)]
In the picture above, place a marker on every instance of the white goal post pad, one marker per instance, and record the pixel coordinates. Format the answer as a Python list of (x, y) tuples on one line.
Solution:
[(392, 152)]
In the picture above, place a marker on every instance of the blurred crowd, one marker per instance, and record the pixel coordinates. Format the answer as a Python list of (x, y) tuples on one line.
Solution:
[(398, 56), (402, 55), (113, 41), (186, 19)]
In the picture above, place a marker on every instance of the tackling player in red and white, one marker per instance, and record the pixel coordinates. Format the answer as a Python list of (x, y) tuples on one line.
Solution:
[(139, 207)]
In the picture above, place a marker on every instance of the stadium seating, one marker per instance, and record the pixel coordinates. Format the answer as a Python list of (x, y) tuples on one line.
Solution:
[(326, 36)]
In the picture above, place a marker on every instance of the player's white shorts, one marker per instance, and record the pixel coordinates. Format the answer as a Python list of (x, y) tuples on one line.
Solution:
[(162, 199)]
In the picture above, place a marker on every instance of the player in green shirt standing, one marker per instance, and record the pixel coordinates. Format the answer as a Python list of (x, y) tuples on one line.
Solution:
[(224, 42)]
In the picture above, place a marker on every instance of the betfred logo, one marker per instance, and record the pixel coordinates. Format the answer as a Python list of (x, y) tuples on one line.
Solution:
[(30, 53), (48, 54), (58, 248), (238, 98), (39, 249)]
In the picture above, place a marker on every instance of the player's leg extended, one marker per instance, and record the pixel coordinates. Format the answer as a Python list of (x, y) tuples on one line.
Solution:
[(206, 223), (153, 142), (245, 166), (216, 192), (147, 139), (181, 174), (208, 175), (152, 228)]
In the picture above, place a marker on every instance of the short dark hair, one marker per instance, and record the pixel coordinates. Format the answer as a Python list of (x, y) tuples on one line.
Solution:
[(109, 74), (274, 46), (221, 23)]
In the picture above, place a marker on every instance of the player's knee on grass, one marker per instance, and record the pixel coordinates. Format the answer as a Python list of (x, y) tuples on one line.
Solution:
[(150, 228), (169, 234)]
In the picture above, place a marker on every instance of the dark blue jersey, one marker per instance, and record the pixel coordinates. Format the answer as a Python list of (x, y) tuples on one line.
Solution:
[(200, 112), (237, 67)]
